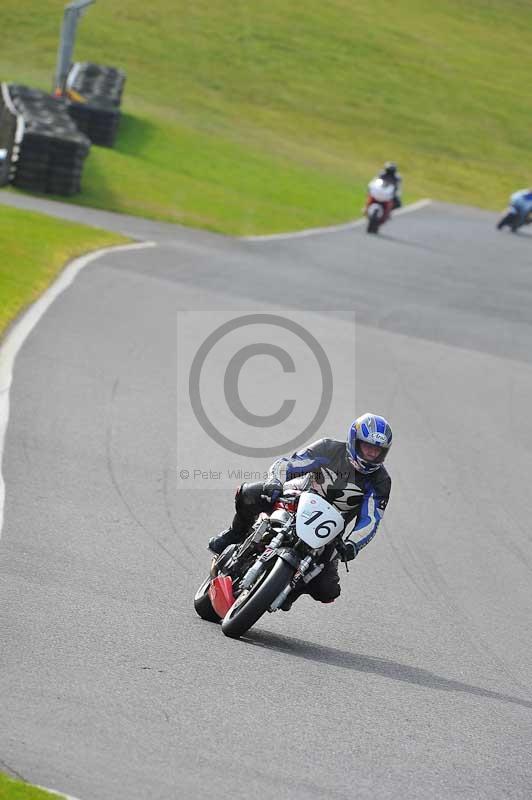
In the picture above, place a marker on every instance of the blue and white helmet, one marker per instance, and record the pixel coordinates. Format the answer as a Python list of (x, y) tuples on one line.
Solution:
[(373, 430)]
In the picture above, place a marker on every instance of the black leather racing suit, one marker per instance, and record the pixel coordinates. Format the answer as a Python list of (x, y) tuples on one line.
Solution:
[(361, 499), (397, 181)]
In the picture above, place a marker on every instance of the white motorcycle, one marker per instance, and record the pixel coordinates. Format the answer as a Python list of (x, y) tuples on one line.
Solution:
[(281, 551), (379, 203)]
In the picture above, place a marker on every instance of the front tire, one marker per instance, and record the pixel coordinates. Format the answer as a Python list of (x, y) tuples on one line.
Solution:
[(251, 605), (202, 602), (506, 220), (373, 222)]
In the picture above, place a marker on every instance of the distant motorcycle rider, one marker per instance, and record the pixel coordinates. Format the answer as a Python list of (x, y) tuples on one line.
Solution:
[(349, 475), (522, 202), (390, 174)]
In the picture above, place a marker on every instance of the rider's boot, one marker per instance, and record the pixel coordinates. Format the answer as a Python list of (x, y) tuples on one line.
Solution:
[(247, 507), (292, 597), (289, 602), (217, 544), (234, 534)]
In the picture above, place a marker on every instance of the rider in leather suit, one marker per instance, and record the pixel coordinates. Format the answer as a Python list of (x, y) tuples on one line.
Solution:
[(390, 174), (351, 476), (522, 202)]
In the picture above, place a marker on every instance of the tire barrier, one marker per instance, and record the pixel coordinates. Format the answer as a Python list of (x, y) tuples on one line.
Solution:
[(11, 131), (52, 151), (95, 94)]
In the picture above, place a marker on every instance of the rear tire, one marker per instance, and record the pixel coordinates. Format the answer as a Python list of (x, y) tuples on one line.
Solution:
[(202, 602), (246, 611)]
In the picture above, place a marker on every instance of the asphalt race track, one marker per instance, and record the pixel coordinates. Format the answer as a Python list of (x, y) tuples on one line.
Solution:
[(417, 682)]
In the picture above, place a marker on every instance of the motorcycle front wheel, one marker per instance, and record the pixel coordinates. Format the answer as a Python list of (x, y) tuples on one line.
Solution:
[(202, 602), (373, 222), (508, 219), (254, 602)]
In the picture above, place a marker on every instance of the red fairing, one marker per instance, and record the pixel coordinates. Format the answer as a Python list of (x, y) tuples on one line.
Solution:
[(387, 206), (221, 594), (288, 505)]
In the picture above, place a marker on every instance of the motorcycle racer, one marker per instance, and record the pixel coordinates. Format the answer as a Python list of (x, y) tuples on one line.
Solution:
[(522, 202), (390, 174), (349, 475), (385, 190)]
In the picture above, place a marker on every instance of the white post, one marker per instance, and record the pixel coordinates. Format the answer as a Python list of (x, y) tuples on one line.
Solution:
[(68, 37)]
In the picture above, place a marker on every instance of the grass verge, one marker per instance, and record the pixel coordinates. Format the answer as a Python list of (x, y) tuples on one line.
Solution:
[(252, 117), (11, 789), (33, 250)]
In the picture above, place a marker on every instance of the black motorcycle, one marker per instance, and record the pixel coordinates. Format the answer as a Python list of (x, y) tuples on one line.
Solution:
[(282, 550)]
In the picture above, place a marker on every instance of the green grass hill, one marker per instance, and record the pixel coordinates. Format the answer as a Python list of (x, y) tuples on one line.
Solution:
[(33, 250), (250, 117)]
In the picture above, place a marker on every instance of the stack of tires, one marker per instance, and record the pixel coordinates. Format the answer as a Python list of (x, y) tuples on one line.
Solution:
[(11, 128), (97, 112), (52, 151)]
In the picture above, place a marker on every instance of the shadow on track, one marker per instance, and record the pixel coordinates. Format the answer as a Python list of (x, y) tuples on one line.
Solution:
[(522, 233), (416, 245), (373, 665)]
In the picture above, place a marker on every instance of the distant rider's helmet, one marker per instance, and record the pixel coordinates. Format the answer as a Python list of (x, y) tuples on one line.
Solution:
[(368, 442), (390, 169)]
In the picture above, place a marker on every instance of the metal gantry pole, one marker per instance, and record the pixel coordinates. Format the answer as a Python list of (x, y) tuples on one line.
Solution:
[(68, 38)]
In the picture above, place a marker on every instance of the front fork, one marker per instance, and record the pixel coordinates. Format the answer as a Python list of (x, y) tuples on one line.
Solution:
[(303, 573), (302, 568), (259, 566)]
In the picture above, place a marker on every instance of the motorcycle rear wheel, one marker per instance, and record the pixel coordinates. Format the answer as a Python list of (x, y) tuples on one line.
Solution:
[(253, 603)]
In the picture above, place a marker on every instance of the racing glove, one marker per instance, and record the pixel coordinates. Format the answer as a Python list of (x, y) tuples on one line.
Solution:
[(346, 550), (271, 490)]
